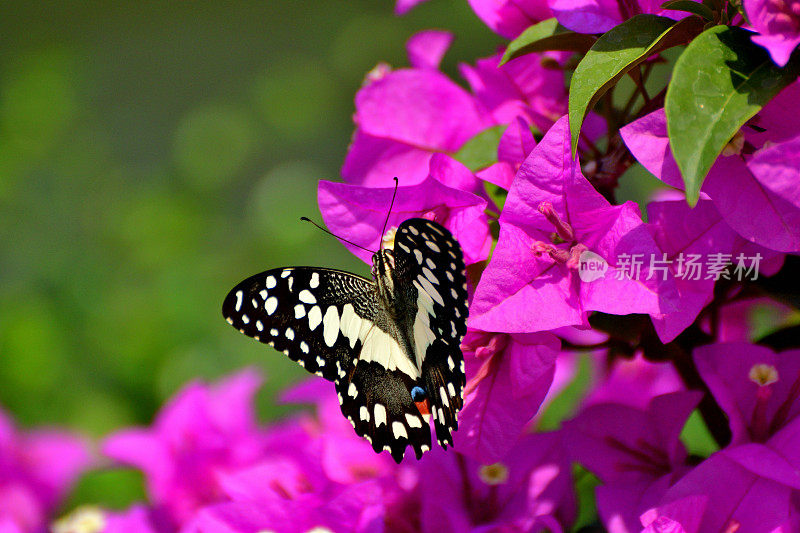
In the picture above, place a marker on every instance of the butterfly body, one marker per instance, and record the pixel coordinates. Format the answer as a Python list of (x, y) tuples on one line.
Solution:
[(391, 346)]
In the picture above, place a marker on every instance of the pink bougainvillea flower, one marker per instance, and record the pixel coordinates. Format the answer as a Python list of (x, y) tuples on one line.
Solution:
[(529, 489), (515, 144), (758, 389), (251, 507), (402, 119), (37, 468), (778, 24), (637, 454), (552, 216), (509, 376), (634, 383), (599, 16), (358, 213), (755, 189), (750, 487), (682, 233), (524, 87), (201, 433), (510, 17), (427, 48)]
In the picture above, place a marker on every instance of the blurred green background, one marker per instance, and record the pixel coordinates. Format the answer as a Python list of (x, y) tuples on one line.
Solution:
[(152, 155)]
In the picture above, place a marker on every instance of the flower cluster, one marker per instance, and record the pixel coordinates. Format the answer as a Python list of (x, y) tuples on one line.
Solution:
[(683, 409)]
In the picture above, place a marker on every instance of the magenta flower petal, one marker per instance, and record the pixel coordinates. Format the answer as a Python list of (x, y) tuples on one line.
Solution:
[(516, 143), (755, 387), (523, 88), (737, 499), (533, 285), (358, 214), (504, 396), (402, 7), (586, 16), (427, 48), (647, 140), (406, 116), (373, 161), (509, 18)]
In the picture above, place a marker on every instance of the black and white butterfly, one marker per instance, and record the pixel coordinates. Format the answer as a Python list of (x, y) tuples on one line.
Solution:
[(391, 346)]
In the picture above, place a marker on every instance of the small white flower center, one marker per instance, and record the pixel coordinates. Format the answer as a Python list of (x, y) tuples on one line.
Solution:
[(494, 474), (763, 374), (82, 520)]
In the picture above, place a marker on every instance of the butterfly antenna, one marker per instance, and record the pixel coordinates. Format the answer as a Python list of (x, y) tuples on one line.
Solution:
[(306, 219), (394, 194)]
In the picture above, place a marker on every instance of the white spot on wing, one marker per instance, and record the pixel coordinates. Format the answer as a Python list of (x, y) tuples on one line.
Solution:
[(263, 294), (364, 413), (304, 347), (413, 421), (443, 395), (259, 325), (432, 246), (330, 325), (431, 277), (245, 319), (350, 324), (399, 430), (405, 248), (238, 306), (429, 288), (314, 317), (418, 255), (271, 305), (290, 334), (451, 390), (450, 362), (314, 283), (285, 273), (299, 311), (380, 414), (352, 391), (271, 282), (305, 296)]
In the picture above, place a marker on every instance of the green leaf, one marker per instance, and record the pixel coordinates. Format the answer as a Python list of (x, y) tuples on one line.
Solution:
[(547, 35), (696, 437), (615, 53), (690, 6), (497, 194), (719, 82), (481, 151), (585, 485)]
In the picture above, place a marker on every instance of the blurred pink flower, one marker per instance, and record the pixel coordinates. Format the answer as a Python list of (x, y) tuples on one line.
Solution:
[(778, 23), (599, 16), (636, 454), (510, 17), (37, 469), (528, 489), (200, 434)]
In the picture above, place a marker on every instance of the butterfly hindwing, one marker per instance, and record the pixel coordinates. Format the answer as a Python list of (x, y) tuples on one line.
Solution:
[(313, 315), (430, 259), (378, 404)]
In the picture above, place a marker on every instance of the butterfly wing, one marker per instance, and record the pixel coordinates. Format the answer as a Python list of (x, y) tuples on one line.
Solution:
[(331, 323), (301, 311), (430, 266), (378, 404)]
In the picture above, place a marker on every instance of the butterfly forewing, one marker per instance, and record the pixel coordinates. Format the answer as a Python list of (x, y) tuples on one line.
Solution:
[(429, 259), (314, 315)]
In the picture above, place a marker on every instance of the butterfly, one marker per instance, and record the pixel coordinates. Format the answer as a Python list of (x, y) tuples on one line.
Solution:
[(391, 345)]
